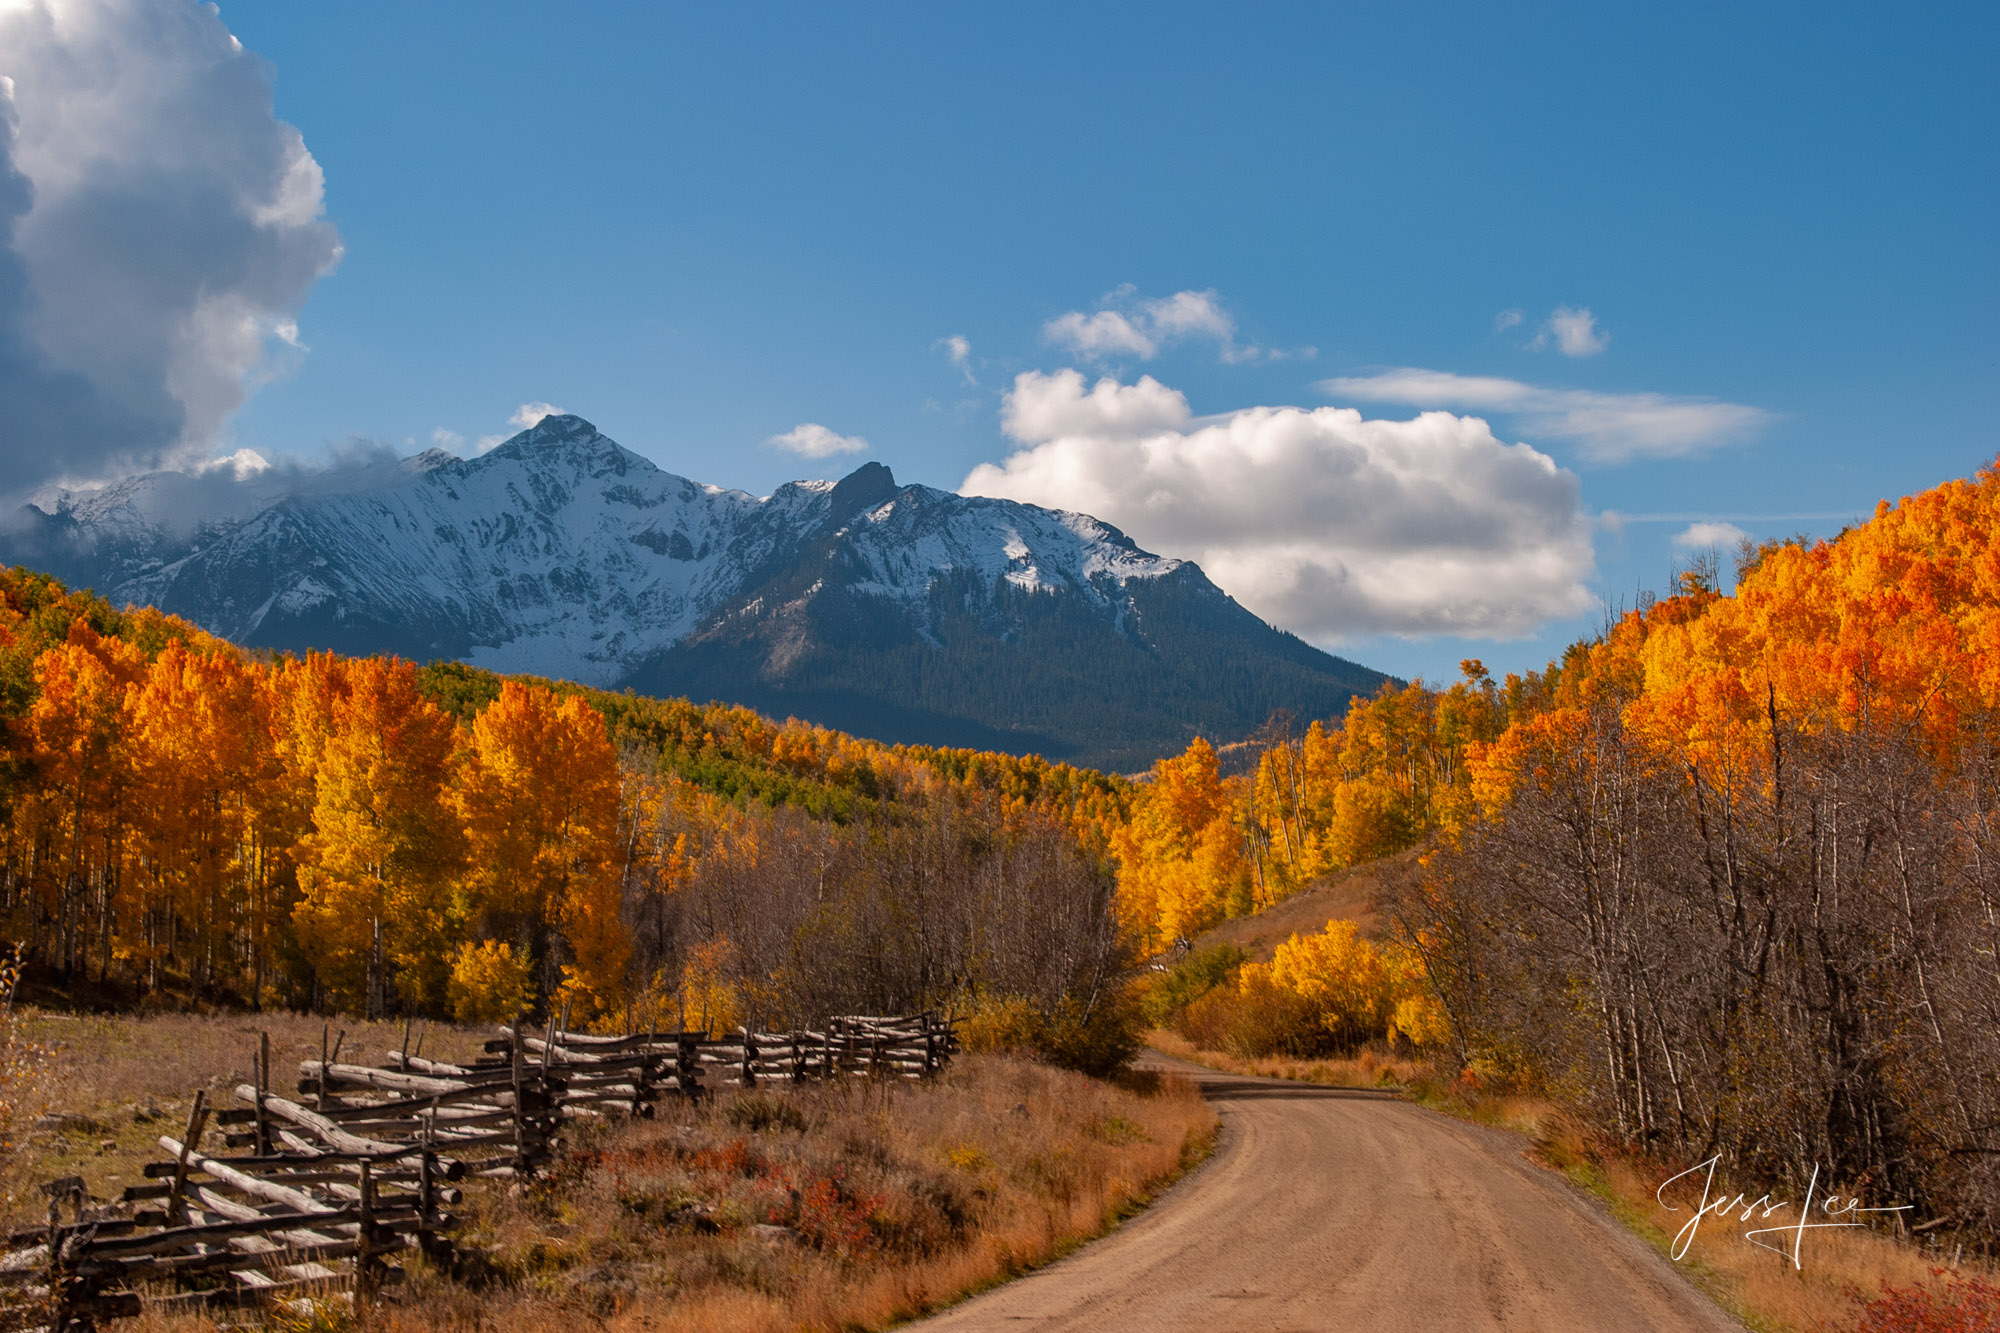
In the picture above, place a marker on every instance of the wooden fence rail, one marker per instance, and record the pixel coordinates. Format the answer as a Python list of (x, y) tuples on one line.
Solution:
[(315, 1198)]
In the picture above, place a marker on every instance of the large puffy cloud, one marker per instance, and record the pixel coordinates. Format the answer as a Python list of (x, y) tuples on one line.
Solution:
[(1610, 427), (1050, 407), (159, 229), (1321, 521)]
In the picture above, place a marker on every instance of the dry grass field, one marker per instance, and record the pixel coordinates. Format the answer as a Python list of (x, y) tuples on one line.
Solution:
[(1346, 895), (102, 1089), (847, 1207)]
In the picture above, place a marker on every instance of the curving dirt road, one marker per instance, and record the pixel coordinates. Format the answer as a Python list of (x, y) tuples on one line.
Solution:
[(1330, 1208)]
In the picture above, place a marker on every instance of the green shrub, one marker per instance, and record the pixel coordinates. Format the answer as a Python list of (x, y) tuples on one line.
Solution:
[(1097, 1039), (1163, 995)]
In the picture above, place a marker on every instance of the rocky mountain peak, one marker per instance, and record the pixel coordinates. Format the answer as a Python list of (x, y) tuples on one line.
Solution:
[(864, 488), (557, 428)]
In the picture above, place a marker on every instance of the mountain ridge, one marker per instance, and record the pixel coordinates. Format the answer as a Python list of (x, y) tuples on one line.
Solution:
[(896, 611)]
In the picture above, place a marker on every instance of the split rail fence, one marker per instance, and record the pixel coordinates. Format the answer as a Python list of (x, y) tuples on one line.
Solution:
[(315, 1197)]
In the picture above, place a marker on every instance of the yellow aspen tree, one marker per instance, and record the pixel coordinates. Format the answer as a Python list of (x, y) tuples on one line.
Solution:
[(377, 869), (77, 803), (539, 796), (198, 748)]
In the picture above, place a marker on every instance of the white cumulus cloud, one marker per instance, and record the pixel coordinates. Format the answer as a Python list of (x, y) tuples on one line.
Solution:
[(1100, 336), (1574, 332), (1126, 324), (159, 230), (1610, 427), (809, 439), (1321, 521), (529, 415), (1701, 536), (1049, 407)]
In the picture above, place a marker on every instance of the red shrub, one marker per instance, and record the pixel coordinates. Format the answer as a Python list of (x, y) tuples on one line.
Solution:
[(1962, 1305)]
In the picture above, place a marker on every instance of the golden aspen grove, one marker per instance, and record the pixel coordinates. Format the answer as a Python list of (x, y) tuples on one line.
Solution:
[(1722, 878), (185, 821)]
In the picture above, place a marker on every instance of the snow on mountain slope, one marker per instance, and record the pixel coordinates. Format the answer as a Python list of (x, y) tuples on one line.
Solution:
[(904, 543), (558, 553), (899, 612)]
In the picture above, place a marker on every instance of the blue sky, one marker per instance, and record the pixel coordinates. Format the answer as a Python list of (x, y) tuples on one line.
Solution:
[(704, 226)]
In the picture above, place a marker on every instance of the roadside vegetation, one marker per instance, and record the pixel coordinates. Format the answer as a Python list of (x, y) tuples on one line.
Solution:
[(830, 1208), (1716, 883)]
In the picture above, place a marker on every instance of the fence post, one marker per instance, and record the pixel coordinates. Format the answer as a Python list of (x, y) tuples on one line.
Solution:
[(262, 1057), (521, 1163), (749, 1058), (365, 1274), (59, 1291), (197, 1118), (687, 1064), (430, 1240)]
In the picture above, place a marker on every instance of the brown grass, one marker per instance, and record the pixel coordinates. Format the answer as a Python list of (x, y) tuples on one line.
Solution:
[(831, 1208), (116, 1084), (848, 1207), (1346, 895), (1760, 1286)]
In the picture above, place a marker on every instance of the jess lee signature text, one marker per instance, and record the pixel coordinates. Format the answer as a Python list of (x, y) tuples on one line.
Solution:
[(1842, 1213)]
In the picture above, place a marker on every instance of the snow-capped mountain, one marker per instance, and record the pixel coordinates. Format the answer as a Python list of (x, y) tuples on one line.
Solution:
[(903, 612)]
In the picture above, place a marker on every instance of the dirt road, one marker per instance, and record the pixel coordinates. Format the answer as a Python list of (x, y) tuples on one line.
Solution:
[(1336, 1209)]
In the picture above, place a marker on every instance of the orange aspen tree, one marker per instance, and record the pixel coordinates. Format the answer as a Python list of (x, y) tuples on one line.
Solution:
[(1181, 864), (198, 749), (539, 796), (77, 806), (378, 866)]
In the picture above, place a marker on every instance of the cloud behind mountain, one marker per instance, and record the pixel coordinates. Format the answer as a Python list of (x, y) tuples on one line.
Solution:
[(159, 230)]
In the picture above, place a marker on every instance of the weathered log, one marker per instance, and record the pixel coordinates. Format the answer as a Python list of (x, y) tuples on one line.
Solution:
[(388, 1079), (331, 1134), (296, 1200), (226, 1298)]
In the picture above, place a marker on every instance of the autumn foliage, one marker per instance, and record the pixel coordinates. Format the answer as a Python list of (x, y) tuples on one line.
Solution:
[(1721, 877), (1729, 882), (182, 819)]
